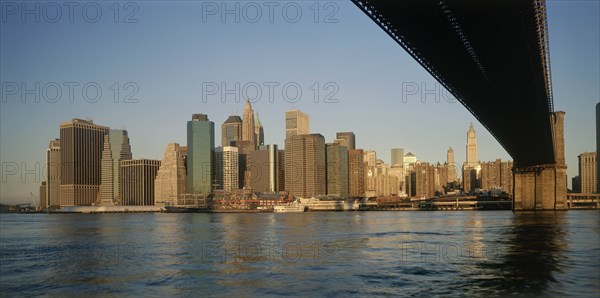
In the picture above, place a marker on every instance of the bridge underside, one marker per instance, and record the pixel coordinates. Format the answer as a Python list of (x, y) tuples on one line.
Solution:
[(482, 52), (493, 57)]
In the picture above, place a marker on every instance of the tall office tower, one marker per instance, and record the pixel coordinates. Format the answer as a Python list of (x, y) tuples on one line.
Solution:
[(347, 139), (451, 165), (248, 129), (81, 143), (107, 183), (397, 157), (169, 185), (200, 144), (231, 131), (471, 168), (266, 169), (305, 168), (471, 147), (244, 178), (597, 147), (281, 169), (296, 123), (43, 199), (337, 170), (137, 181), (226, 168), (587, 172), (356, 173), (53, 174), (116, 148), (259, 132)]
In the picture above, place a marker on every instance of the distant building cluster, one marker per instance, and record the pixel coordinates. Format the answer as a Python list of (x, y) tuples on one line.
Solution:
[(92, 164), (587, 181)]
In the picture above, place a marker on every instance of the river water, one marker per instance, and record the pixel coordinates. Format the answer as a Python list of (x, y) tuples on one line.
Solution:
[(482, 253)]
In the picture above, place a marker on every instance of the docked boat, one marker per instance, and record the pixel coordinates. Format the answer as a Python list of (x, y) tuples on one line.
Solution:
[(294, 206), (330, 204)]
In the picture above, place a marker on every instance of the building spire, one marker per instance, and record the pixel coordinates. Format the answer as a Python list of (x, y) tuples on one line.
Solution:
[(248, 128), (257, 123), (471, 146)]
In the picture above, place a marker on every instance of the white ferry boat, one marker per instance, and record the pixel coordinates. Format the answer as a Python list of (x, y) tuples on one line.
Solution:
[(316, 204), (294, 206)]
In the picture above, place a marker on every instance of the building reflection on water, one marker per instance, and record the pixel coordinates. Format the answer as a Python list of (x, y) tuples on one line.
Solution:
[(533, 254)]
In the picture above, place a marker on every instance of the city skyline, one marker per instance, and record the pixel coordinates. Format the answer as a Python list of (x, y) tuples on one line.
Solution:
[(300, 148), (365, 106), (304, 163), (470, 141)]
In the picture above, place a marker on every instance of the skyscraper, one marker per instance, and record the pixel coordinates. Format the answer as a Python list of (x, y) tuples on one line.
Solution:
[(259, 132), (107, 184), (296, 123), (170, 182), (471, 147), (451, 165), (52, 189), (137, 181), (226, 168), (266, 167), (337, 170), (305, 168), (81, 144), (231, 131), (587, 172), (347, 139), (200, 143), (116, 148), (356, 173), (397, 156), (471, 168), (248, 129)]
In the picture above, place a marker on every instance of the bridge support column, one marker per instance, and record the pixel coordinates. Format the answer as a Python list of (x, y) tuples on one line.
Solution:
[(543, 187)]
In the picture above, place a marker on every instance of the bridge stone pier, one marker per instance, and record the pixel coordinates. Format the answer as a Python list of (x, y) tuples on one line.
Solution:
[(543, 187)]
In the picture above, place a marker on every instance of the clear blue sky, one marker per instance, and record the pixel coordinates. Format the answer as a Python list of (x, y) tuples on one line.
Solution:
[(172, 50)]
